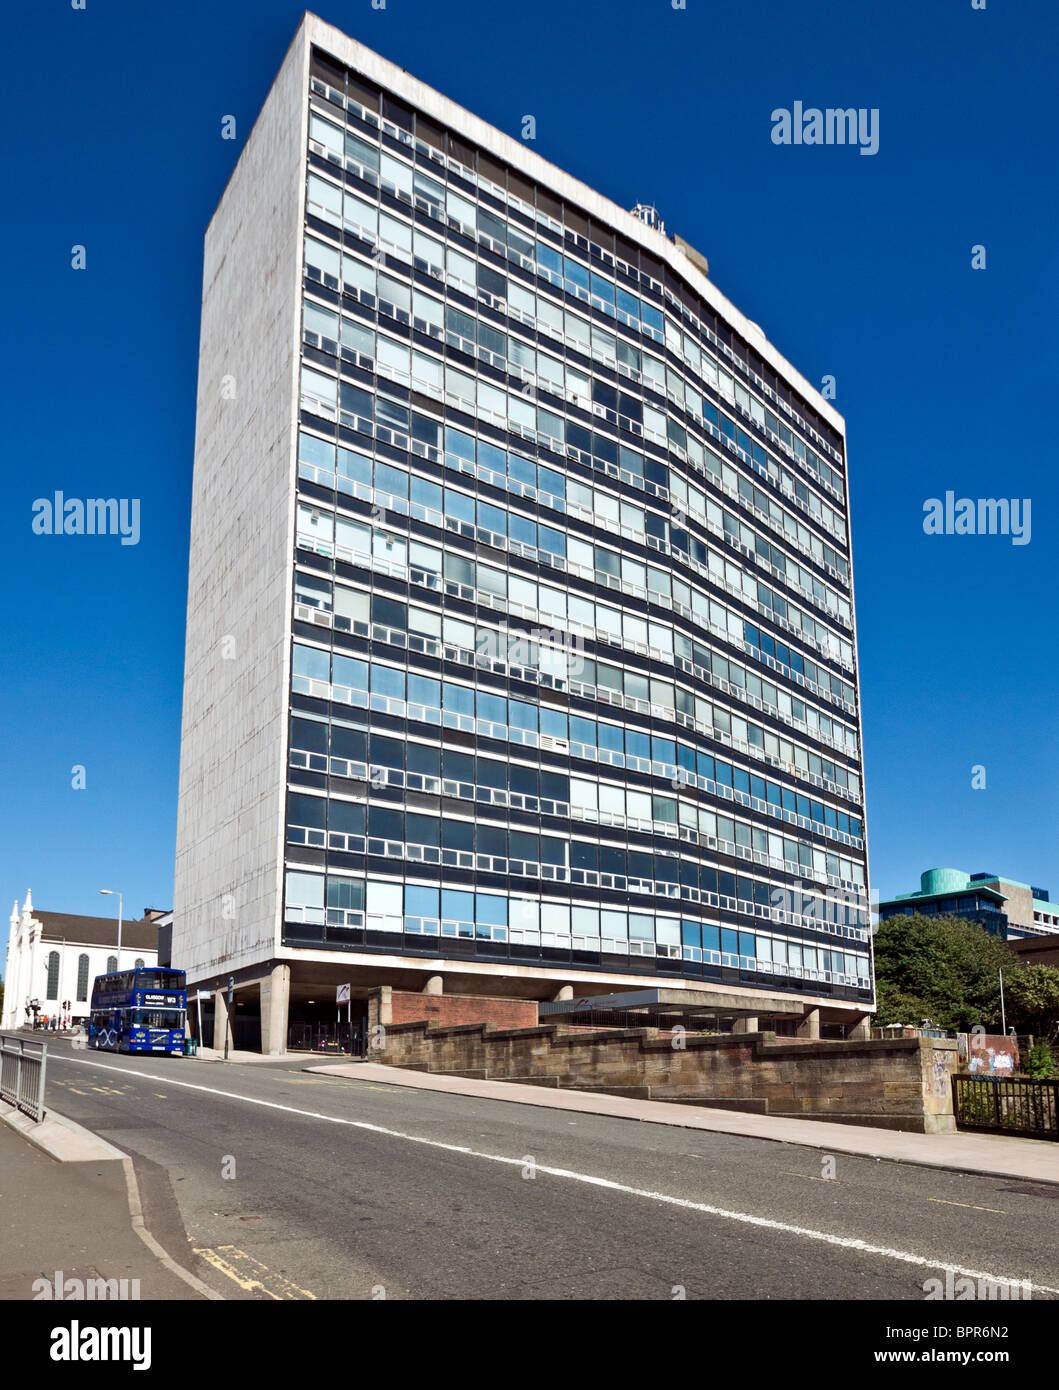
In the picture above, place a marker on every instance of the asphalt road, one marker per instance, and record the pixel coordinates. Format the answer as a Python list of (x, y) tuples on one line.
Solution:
[(271, 1183)]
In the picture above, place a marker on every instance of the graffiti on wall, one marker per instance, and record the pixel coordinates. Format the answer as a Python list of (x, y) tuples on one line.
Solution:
[(988, 1054)]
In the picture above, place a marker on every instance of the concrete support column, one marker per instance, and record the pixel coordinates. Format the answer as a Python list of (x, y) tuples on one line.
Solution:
[(275, 1001), (745, 1025), (564, 992), (380, 1010), (435, 985), (861, 1030), (220, 1019), (810, 1024)]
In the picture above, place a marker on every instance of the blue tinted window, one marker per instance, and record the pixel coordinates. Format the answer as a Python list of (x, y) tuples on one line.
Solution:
[(521, 716), (457, 906), (610, 737), (384, 680), (492, 707), (628, 303), (491, 910), (427, 494), (522, 470), (458, 698), (458, 443), (553, 723), (602, 288), (522, 530), (316, 452), (583, 730), (492, 457), (420, 902), (637, 745), (459, 506), (549, 258), (424, 691), (554, 542), (551, 482), (310, 662), (492, 518), (576, 273), (651, 317), (663, 750)]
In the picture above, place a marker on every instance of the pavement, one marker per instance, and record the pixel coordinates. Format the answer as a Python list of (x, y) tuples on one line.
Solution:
[(67, 1216), (990, 1155)]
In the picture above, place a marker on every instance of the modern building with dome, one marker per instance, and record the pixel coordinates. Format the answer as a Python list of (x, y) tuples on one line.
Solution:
[(1005, 907)]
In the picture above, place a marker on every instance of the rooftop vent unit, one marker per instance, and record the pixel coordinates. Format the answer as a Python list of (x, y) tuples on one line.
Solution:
[(649, 214)]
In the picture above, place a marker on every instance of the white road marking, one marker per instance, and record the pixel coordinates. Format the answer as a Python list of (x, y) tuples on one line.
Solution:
[(743, 1218)]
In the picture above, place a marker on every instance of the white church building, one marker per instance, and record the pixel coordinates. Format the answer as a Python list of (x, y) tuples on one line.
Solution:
[(54, 957)]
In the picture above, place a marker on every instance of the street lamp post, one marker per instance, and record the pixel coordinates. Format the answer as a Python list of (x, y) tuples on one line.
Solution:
[(109, 892)]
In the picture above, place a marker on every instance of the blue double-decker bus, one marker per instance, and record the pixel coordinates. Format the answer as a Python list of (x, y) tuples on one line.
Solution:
[(139, 1010)]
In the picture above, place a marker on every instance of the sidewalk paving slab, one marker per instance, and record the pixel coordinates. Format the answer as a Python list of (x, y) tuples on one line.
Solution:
[(990, 1155), (66, 1212)]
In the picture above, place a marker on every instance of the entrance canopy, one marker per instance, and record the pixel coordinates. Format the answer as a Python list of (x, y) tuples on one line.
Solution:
[(665, 1008)]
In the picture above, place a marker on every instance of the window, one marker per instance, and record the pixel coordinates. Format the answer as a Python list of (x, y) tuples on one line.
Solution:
[(82, 978), (139, 962), (52, 991), (112, 964)]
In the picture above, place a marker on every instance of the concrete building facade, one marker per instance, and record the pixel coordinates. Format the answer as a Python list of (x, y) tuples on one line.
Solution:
[(521, 651)]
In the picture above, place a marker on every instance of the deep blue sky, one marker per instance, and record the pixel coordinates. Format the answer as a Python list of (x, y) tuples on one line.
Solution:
[(854, 266)]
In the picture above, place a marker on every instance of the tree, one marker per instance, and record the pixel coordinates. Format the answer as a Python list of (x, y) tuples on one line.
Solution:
[(942, 968), (1031, 993), (1040, 1063)]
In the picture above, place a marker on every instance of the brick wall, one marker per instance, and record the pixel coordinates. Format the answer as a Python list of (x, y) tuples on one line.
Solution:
[(451, 1010)]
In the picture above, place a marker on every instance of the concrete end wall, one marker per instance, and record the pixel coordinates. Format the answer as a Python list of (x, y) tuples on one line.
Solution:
[(236, 670)]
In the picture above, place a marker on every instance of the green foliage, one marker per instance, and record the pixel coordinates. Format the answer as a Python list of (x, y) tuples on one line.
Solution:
[(942, 968), (1031, 993), (1040, 1063)]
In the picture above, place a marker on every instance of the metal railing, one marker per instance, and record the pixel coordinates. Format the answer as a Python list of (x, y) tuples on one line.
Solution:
[(341, 1039), (22, 1067), (1007, 1105)]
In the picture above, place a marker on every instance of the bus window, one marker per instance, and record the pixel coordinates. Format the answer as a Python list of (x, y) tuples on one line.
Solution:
[(158, 1018), (160, 979)]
